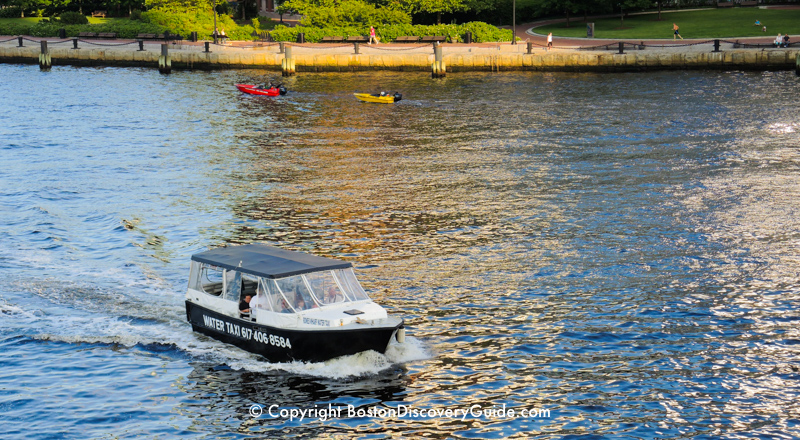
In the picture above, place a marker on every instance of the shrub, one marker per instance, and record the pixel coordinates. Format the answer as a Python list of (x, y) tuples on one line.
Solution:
[(481, 32), (136, 15), (196, 20), (72, 17), (352, 12), (11, 12), (123, 28)]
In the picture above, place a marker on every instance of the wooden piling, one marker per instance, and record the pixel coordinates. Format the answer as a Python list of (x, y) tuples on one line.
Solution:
[(164, 61), (797, 65), (287, 64), (438, 69), (45, 62)]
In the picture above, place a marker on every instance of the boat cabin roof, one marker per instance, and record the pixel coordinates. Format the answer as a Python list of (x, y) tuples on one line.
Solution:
[(267, 261)]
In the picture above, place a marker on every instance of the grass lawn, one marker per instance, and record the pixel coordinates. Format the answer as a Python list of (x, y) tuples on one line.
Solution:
[(32, 20), (711, 23)]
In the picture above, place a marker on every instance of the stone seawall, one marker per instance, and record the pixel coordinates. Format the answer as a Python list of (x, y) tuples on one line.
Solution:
[(456, 60)]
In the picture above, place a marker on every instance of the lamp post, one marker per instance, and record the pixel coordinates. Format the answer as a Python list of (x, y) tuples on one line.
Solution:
[(620, 15), (514, 22), (214, 7)]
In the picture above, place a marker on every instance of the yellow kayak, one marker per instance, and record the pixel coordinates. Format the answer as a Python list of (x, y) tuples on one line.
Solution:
[(383, 97)]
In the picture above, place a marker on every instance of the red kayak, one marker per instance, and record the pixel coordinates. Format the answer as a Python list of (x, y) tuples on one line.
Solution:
[(271, 90)]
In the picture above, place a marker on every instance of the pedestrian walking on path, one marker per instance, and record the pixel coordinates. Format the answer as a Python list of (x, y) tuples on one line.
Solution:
[(549, 41), (677, 34), (372, 37)]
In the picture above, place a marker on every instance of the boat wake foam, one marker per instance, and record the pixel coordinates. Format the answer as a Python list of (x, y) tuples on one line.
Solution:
[(358, 365)]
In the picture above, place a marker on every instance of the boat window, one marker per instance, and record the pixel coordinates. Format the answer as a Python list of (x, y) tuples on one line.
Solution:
[(233, 285), (274, 297), (249, 284), (209, 280), (296, 292), (350, 284), (194, 276), (265, 294), (324, 288)]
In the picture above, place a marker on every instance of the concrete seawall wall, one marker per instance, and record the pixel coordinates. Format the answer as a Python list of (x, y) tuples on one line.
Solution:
[(456, 61)]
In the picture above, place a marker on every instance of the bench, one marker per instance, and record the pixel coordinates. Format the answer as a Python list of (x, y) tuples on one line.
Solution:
[(357, 39), (334, 39), (262, 36), (87, 35), (724, 4), (407, 39), (432, 39), (107, 35), (748, 3), (148, 37), (99, 14)]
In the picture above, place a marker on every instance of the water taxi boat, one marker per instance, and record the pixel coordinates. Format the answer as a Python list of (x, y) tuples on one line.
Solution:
[(382, 97), (302, 307), (270, 90)]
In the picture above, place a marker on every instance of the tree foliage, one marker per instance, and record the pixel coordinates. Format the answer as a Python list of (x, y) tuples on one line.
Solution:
[(437, 7), (321, 13)]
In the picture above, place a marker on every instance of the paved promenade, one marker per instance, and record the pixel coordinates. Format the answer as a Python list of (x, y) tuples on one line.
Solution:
[(566, 55)]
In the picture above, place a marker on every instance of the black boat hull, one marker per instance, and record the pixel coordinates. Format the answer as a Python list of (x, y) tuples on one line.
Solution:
[(285, 345)]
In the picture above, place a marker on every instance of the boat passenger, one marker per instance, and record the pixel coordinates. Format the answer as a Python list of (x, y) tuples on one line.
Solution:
[(259, 301), (301, 303), (332, 296)]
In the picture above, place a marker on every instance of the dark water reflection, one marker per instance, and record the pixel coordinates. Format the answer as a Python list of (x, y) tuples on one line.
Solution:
[(618, 249)]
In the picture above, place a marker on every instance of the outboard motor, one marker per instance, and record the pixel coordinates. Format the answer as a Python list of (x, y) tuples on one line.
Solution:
[(282, 89), (397, 96)]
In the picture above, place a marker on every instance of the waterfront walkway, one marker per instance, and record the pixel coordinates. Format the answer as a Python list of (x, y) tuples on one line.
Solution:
[(570, 54)]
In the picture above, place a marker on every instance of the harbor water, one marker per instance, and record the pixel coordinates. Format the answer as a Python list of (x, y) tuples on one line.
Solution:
[(575, 255)]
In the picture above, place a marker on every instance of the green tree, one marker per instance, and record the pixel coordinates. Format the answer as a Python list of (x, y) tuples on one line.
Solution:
[(432, 6), (326, 13)]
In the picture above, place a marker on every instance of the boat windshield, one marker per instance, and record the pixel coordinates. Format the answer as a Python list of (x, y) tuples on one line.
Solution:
[(315, 289), (349, 283), (295, 292), (324, 288)]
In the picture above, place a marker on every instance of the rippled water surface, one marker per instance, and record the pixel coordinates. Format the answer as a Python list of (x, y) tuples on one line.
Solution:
[(617, 253)]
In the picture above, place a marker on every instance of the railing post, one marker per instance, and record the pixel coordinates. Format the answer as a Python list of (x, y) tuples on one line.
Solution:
[(74, 43), (20, 41), (621, 47), (716, 45), (355, 46), (141, 45), (207, 44), (530, 47)]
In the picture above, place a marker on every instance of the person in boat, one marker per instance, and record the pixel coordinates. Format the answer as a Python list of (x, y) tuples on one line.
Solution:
[(244, 304), (300, 304), (259, 301), (332, 296)]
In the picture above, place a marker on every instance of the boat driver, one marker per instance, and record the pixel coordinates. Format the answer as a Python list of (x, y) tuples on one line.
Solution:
[(244, 304)]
